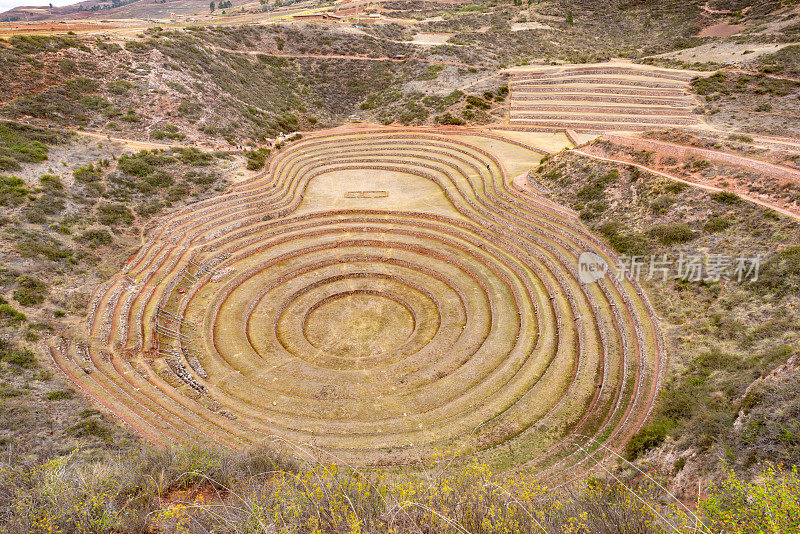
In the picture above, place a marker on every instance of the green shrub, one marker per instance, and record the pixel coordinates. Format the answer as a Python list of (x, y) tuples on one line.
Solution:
[(81, 86), (12, 191), (87, 174), (21, 143), (53, 183), (256, 159), (478, 102), (35, 216), (31, 291), (114, 214), (670, 234), (33, 244), (20, 357), (662, 204), (448, 119), (716, 83), (193, 156), (119, 87), (675, 187), (649, 437), (727, 197), (144, 162), (131, 116), (785, 58), (96, 237), (431, 72), (625, 242), (770, 504), (740, 138), (169, 132), (595, 190), (137, 47), (61, 394), (9, 316), (108, 47), (592, 191), (8, 163), (717, 224)]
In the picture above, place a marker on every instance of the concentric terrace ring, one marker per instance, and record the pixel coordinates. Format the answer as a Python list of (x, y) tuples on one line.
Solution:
[(378, 296)]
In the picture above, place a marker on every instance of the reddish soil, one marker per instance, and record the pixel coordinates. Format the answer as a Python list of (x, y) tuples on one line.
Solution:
[(720, 30), (27, 28)]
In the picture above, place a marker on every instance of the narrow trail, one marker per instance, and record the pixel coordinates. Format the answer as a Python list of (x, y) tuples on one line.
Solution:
[(352, 57), (757, 165), (144, 145), (757, 73), (133, 143), (689, 182), (480, 80)]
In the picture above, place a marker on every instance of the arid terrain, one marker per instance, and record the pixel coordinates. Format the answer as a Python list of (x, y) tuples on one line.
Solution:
[(312, 265)]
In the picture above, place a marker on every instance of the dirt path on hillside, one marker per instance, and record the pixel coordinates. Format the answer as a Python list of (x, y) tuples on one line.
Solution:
[(341, 56), (795, 214), (132, 143), (757, 73)]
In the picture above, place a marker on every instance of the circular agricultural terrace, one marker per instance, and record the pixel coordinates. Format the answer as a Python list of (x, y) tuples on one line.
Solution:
[(377, 296)]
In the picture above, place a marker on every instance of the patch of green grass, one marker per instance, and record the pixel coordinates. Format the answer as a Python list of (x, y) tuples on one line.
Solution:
[(91, 427), (625, 241), (716, 83), (31, 291), (12, 191), (9, 316), (781, 273), (8, 391), (19, 357), (60, 394)]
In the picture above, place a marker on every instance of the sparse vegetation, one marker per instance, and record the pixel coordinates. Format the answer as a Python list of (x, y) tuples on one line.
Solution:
[(78, 207), (724, 357)]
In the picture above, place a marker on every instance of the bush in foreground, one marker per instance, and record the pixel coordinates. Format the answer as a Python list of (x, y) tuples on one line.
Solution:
[(199, 490)]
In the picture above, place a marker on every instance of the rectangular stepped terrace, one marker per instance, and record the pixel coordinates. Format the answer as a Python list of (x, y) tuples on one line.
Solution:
[(602, 97)]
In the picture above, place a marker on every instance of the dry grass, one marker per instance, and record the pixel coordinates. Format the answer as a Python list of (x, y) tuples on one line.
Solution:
[(203, 491), (200, 490)]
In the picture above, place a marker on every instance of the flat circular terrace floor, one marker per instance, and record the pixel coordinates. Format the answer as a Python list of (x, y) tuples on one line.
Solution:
[(373, 298)]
